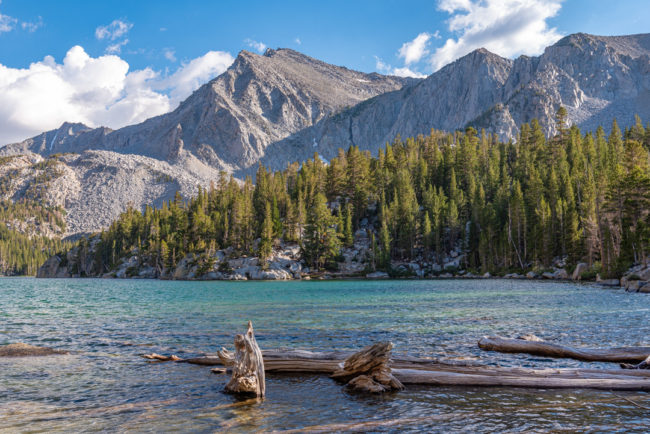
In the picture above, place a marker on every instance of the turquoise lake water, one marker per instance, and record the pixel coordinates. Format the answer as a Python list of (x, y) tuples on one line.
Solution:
[(104, 384)]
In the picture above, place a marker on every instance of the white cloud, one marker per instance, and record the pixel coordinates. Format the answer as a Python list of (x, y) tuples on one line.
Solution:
[(114, 30), (385, 68), (407, 72), (32, 27), (191, 75), (117, 47), (258, 46), (95, 91), (298, 41), (414, 50), (7, 23), (169, 54), (506, 27)]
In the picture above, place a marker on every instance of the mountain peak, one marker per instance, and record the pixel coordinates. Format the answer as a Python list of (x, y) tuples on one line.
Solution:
[(628, 45)]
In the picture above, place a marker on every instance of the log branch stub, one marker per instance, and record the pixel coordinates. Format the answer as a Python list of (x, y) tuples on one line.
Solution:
[(227, 357), (248, 366), (369, 370), (643, 365)]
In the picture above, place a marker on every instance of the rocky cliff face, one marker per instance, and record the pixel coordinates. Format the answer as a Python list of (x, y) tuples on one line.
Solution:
[(94, 187), (596, 78), (284, 106), (229, 122)]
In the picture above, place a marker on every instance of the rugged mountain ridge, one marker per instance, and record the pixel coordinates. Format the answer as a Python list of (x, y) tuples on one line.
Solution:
[(596, 78), (228, 122), (283, 106)]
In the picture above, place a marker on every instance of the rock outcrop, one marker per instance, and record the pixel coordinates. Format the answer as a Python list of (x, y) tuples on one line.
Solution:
[(26, 350), (637, 279)]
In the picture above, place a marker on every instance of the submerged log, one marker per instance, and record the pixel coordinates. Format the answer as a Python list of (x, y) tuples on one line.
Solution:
[(547, 349), (369, 370), (247, 366), (26, 350), (161, 358), (643, 365)]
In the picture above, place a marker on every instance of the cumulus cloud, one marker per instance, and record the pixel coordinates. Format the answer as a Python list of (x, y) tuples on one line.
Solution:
[(194, 73), (405, 71), (258, 46), (506, 27), (113, 31), (414, 50), (96, 91)]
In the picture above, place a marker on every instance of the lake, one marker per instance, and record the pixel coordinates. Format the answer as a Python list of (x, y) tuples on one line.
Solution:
[(106, 325)]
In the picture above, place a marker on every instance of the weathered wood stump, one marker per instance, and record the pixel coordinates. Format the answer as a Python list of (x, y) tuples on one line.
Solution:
[(643, 365), (369, 370), (247, 366)]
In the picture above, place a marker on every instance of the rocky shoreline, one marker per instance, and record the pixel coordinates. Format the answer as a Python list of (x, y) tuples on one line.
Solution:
[(286, 263)]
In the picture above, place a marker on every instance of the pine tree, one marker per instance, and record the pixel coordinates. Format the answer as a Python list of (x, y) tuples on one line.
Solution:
[(266, 241), (321, 243)]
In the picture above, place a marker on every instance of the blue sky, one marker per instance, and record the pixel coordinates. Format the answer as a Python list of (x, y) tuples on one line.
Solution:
[(118, 62)]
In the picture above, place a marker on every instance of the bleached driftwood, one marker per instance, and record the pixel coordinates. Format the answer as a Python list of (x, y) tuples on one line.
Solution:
[(485, 376), (161, 358), (643, 365), (421, 371), (547, 349), (416, 371), (369, 370), (247, 366)]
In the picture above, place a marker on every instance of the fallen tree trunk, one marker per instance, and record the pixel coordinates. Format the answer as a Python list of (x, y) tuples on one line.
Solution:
[(544, 379), (417, 371), (547, 349)]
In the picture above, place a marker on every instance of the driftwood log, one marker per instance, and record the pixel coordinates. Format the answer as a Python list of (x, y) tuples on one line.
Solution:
[(643, 365), (369, 370), (160, 358), (420, 371), (547, 349), (247, 366)]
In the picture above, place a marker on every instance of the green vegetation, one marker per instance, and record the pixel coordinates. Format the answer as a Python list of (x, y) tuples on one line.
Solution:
[(33, 214), (23, 222), (509, 206), (22, 255)]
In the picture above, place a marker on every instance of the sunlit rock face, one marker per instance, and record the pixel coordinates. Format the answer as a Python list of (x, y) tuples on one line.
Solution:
[(284, 106)]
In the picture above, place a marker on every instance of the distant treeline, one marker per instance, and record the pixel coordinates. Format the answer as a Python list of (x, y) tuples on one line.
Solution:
[(21, 254), (510, 206)]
